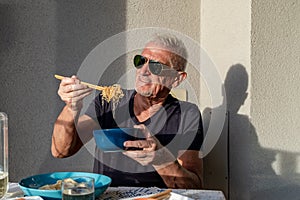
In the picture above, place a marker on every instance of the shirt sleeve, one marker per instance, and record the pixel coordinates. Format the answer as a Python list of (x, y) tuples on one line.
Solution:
[(192, 127)]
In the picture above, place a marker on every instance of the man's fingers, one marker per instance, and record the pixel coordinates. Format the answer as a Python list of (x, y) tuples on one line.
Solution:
[(74, 87), (142, 144), (136, 154), (144, 129), (67, 81), (137, 144), (76, 95)]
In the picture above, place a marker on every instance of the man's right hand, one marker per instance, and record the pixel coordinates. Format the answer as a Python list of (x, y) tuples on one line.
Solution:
[(72, 93)]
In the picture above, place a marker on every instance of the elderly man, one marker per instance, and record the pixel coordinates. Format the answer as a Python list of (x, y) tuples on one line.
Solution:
[(169, 156)]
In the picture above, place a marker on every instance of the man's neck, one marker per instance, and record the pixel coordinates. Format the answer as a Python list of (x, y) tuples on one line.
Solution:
[(145, 107)]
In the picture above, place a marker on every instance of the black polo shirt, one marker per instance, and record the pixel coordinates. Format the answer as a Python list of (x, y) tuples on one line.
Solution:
[(177, 125)]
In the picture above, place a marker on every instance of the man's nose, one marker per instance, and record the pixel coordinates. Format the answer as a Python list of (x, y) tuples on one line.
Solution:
[(144, 70)]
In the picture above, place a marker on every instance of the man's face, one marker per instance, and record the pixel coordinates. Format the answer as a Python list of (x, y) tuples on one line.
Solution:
[(151, 85)]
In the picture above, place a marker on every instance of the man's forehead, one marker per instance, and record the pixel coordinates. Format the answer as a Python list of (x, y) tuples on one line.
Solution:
[(155, 47), (154, 50)]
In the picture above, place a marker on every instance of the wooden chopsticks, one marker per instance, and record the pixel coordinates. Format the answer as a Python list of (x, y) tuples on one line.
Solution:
[(96, 87), (159, 196)]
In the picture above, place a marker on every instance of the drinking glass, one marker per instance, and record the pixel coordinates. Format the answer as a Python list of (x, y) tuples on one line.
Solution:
[(78, 188), (3, 154)]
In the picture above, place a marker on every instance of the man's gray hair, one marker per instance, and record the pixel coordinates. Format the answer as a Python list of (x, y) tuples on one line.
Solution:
[(174, 45)]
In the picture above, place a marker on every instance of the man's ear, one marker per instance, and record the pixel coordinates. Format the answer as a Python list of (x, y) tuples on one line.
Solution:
[(179, 78)]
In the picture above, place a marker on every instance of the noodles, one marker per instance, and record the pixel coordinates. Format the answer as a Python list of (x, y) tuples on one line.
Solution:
[(112, 93), (57, 185)]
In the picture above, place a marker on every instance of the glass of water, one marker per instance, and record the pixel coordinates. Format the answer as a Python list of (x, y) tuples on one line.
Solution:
[(3, 154), (78, 188)]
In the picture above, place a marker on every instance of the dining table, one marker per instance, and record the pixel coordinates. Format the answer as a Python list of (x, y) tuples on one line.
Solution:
[(127, 193)]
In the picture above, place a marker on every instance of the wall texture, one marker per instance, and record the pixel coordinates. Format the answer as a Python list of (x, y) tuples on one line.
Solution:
[(176, 15), (254, 45), (275, 112), (225, 36), (41, 38), (28, 53), (37, 40)]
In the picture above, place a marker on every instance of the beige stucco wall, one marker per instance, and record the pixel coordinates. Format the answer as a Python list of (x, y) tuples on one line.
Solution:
[(255, 46), (255, 49), (183, 16), (275, 110), (225, 36), (175, 15)]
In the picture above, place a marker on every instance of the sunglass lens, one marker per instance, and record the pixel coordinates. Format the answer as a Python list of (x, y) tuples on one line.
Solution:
[(139, 61), (155, 68)]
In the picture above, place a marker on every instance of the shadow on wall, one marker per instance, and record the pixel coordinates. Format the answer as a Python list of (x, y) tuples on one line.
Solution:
[(26, 30), (251, 175), (4, 45), (241, 133), (5, 28), (81, 26)]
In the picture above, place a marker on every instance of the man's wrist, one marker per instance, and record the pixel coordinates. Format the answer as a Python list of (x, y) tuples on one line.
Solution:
[(175, 163), (74, 113), (164, 158)]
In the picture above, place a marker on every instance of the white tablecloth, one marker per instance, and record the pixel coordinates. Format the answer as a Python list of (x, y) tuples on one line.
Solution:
[(113, 193)]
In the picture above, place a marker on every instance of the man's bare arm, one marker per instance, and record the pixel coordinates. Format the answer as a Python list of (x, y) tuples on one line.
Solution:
[(68, 126), (67, 137), (185, 172)]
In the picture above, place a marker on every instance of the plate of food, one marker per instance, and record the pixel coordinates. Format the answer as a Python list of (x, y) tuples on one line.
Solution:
[(48, 186)]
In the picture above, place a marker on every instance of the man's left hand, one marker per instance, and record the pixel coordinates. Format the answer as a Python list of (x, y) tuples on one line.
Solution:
[(152, 153)]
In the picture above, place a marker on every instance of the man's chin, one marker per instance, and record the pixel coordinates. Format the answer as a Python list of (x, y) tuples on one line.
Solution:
[(145, 93)]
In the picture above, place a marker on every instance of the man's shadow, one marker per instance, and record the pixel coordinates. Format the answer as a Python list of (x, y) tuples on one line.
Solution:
[(243, 140), (239, 137), (250, 174), (247, 159)]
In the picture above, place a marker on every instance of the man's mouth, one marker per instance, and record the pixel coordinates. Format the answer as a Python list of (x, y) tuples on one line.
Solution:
[(144, 79)]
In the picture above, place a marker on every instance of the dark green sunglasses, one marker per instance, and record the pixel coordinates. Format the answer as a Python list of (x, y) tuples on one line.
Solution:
[(155, 67)]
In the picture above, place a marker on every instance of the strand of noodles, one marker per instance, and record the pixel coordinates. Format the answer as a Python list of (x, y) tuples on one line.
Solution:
[(112, 93)]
